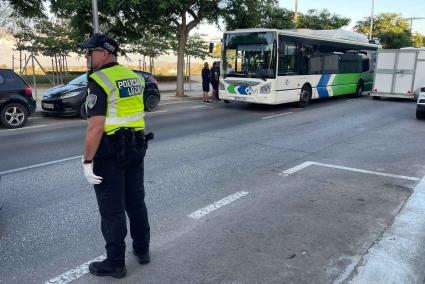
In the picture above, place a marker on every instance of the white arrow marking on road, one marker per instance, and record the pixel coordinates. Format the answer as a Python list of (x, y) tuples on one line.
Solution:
[(39, 165), (309, 163), (75, 273), (216, 205), (198, 106)]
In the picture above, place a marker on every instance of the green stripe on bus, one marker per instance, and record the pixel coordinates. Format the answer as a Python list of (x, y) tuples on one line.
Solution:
[(344, 84), (231, 89)]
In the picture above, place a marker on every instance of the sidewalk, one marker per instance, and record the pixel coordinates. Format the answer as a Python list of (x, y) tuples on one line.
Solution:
[(192, 91)]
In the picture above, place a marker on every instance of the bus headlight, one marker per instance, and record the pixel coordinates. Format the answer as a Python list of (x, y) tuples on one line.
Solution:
[(266, 89), (221, 86)]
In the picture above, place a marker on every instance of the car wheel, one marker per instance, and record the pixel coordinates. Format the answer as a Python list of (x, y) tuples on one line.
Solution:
[(151, 102), (83, 112), (305, 97), (420, 114), (14, 115)]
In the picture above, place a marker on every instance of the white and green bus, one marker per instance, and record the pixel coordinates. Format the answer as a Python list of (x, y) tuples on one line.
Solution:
[(268, 66)]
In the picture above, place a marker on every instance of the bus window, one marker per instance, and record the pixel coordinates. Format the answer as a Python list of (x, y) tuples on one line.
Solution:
[(350, 63), (330, 63), (287, 57), (365, 64), (315, 64)]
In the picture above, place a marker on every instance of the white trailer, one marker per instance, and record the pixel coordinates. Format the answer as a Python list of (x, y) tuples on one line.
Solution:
[(399, 73)]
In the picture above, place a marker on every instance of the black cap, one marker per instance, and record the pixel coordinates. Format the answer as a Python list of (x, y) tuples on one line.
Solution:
[(103, 41)]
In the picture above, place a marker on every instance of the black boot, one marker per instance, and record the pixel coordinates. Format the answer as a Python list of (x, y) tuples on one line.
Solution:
[(103, 268), (143, 258)]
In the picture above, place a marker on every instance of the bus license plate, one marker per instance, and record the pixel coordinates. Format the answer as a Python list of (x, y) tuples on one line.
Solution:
[(242, 99)]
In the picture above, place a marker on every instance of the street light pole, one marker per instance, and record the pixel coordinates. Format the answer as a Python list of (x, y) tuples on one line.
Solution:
[(296, 11), (371, 20), (411, 22), (95, 16)]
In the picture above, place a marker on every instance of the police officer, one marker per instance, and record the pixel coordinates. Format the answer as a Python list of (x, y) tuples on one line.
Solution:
[(115, 146)]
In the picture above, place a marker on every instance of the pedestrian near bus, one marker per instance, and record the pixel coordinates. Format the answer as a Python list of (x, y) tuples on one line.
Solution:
[(215, 75), (114, 151), (205, 82)]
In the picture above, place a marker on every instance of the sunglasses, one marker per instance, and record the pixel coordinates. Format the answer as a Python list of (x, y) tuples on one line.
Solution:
[(90, 51)]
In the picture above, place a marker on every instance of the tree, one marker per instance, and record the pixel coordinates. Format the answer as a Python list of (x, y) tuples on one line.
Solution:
[(150, 45), (392, 30), (241, 14), (395, 40), (418, 40), (126, 20), (28, 8), (321, 20), (278, 18)]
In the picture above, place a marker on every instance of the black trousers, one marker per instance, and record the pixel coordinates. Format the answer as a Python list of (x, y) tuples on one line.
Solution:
[(121, 191)]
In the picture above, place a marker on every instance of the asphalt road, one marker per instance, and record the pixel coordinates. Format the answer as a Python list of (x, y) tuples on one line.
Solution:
[(312, 225)]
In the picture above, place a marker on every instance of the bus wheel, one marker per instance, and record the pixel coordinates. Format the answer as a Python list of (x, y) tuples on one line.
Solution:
[(359, 90), (305, 97)]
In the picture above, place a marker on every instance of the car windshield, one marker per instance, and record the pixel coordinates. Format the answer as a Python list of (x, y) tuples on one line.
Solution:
[(249, 55), (79, 81)]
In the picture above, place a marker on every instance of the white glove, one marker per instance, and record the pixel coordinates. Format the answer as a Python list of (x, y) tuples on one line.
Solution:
[(90, 176)]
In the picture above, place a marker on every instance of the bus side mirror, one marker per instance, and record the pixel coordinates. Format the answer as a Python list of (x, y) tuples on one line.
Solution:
[(211, 47)]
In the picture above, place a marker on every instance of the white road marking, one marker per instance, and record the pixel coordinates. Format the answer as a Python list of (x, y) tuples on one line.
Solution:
[(74, 273), (173, 103), (398, 256), (351, 100), (35, 117), (276, 115), (28, 127), (309, 163), (158, 111), (216, 205), (39, 165), (297, 168), (198, 106)]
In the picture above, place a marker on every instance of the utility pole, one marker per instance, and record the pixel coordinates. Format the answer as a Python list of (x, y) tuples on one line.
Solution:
[(95, 16), (411, 22), (371, 20), (296, 12)]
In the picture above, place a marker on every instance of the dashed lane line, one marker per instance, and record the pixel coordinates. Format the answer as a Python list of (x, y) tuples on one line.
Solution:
[(216, 205), (277, 115), (74, 273), (39, 165), (82, 269), (310, 163)]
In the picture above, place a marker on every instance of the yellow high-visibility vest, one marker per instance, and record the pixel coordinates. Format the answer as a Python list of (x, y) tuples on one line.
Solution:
[(124, 89)]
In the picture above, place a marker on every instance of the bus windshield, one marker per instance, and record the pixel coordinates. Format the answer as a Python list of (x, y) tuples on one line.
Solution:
[(250, 55)]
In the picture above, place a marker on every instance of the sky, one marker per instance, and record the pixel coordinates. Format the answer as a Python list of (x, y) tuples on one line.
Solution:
[(354, 9), (358, 9)]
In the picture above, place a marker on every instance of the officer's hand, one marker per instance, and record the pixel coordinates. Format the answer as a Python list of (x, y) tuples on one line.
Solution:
[(90, 176)]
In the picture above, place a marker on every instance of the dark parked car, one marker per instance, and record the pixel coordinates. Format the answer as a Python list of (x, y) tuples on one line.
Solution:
[(68, 100), (16, 101)]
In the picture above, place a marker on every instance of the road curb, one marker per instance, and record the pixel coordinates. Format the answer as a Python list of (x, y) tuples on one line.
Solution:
[(399, 257)]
